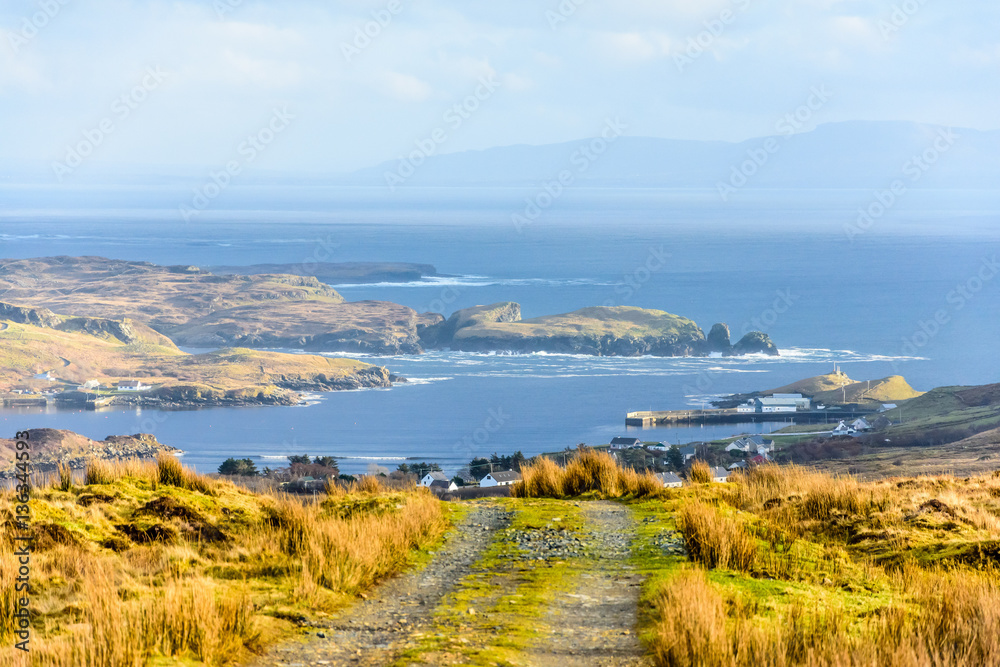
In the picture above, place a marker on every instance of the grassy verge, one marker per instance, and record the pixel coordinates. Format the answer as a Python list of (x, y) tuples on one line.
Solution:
[(899, 572), (149, 563)]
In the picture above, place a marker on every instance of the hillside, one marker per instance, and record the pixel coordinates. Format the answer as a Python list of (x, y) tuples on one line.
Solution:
[(590, 564), (196, 308), (812, 386), (150, 564), (875, 392), (228, 376), (604, 331)]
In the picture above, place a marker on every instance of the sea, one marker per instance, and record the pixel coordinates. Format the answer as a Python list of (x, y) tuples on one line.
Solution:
[(914, 291)]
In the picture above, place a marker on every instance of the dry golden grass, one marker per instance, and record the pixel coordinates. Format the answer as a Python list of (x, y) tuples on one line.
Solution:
[(941, 619), (207, 589), (587, 472), (715, 540), (700, 473), (895, 572)]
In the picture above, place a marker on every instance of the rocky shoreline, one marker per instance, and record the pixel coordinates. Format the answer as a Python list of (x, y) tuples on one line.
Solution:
[(599, 331), (51, 447)]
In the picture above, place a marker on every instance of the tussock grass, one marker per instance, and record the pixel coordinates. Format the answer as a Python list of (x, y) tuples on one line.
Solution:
[(792, 567), (587, 472), (715, 540), (700, 473), (212, 594), (942, 619)]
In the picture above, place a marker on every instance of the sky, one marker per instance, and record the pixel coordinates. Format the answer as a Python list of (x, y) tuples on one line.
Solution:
[(332, 86)]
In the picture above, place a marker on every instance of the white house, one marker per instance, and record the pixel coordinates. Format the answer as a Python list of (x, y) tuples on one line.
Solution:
[(45, 376), (720, 474), (861, 424), (91, 384), (749, 406), (752, 444), (625, 443), (887, 407), (843, 429), (670, 480), (133, 385), (432, 477), (500, 478)]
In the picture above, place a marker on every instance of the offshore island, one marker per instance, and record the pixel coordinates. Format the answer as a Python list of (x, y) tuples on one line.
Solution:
[(92, 331)]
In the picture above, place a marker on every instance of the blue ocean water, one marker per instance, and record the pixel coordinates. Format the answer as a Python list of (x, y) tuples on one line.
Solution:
[(916, 295)]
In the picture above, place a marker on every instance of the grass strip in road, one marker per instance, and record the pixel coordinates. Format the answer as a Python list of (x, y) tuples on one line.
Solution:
[(497, 610)]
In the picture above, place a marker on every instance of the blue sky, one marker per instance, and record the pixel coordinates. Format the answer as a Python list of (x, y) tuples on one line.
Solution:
[(714, 69)]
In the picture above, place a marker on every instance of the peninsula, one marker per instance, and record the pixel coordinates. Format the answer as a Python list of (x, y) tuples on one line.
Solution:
[(196, 308), (92, 362)]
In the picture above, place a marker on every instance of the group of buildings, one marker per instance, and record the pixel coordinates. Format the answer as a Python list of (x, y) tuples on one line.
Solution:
[(438, 481), (778, 403)]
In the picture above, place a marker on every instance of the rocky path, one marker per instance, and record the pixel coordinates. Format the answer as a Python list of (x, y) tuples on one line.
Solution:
[(468, 600), (593, 624), (374, 631)]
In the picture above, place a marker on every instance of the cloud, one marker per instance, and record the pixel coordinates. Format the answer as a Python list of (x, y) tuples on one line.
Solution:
[(557, 85), (403, 87)]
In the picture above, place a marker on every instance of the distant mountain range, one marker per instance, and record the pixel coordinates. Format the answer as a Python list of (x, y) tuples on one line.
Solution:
[(856, 154)]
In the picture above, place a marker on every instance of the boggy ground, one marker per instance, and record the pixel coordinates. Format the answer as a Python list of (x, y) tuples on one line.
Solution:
[(529, 582)]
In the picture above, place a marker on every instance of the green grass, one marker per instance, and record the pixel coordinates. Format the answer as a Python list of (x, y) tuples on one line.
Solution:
[(509, 597)]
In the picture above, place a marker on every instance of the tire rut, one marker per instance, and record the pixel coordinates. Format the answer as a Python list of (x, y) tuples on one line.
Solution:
[(372, 632)]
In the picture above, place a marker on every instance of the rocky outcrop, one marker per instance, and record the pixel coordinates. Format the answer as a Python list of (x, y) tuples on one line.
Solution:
[(36, 317), (755, 342), (602, 346), (601, 331), (443, 333), (718, 339), (50, 447)]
